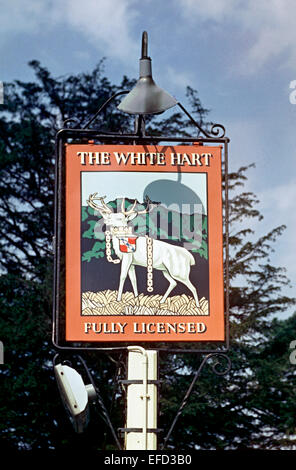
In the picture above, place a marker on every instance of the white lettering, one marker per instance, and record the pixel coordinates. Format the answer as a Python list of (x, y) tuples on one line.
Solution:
[(121, 158), (82, 155), (206, 157)]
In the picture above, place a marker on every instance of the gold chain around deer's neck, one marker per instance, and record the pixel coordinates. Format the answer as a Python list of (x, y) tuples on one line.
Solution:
[(108, 249), (149, 246)]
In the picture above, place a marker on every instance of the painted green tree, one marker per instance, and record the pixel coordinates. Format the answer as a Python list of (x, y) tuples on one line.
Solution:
[(252, 407), (177, 227)]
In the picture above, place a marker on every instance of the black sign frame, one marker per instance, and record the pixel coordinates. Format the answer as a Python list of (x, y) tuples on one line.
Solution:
[(215, 135)]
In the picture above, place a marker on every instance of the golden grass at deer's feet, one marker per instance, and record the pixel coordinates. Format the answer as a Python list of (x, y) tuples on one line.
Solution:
[(105, 303)]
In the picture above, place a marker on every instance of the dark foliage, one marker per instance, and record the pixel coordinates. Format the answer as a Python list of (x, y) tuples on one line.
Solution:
[(253, 406)]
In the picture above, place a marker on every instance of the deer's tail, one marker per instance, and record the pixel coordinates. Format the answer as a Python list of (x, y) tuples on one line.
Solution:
[(192, 260)]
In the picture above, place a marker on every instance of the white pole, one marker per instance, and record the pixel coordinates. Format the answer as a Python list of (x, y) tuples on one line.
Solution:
[(141, 399)]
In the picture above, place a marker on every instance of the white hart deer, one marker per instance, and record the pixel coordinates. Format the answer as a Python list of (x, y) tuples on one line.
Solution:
[(174, 261)]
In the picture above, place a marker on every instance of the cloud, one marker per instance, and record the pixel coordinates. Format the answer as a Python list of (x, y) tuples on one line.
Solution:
[(106, 24), (216, 10), (280, 198), (278, 206), (266, 29), (21, 16), (177, 78)]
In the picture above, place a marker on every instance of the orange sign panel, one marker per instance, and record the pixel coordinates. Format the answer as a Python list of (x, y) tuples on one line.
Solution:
[(144, 243)]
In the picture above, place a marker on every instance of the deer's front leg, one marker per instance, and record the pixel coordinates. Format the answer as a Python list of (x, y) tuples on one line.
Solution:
[(133, 279), (125, 266)]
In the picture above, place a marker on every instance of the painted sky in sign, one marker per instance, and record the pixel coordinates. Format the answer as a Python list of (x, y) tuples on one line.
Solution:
[(239, 55), (132, 185)]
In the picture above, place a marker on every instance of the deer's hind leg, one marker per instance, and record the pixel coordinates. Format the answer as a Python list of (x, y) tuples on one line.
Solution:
[(180, 272), (171, 286), (190, 287)]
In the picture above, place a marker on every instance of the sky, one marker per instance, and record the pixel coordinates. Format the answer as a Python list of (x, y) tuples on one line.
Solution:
[(133, 185), (239, 54)]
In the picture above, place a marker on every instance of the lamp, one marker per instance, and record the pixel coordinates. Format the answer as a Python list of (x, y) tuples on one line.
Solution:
[(146, 97), (75, 395)]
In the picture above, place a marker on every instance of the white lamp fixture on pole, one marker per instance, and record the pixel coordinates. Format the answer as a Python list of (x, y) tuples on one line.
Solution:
[(141, 410)]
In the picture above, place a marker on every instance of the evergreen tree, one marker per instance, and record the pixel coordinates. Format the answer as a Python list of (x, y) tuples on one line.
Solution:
[(252, 406)]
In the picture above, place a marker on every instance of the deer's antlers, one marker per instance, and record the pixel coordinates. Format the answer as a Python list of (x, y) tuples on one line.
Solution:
[(149, 205), (147, 201), (130, 211), (104, 208), (93, 205)]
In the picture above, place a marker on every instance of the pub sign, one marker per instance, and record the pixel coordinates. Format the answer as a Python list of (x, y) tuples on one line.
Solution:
[(143, 243)]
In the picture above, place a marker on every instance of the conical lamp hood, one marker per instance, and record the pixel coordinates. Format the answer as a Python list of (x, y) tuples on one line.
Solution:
[(146, 97)]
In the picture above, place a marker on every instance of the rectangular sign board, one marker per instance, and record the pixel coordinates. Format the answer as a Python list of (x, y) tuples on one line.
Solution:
[(143, 243)]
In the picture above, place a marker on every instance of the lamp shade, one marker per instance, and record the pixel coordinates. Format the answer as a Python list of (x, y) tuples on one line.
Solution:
[(146, 97)]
